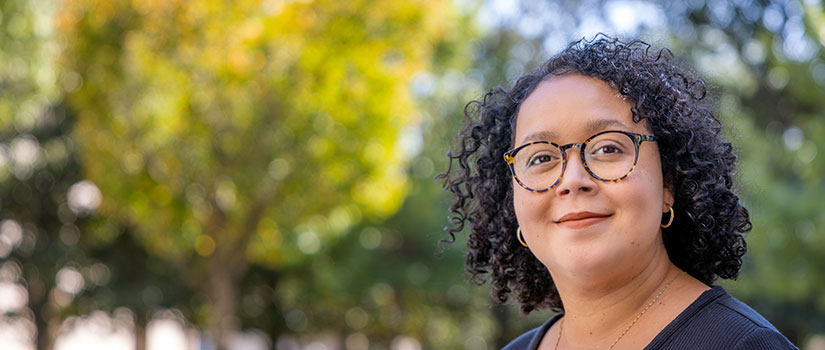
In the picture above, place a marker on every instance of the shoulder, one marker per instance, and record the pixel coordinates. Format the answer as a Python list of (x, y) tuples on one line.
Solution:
[(531, 339), (523, 341), (764, 338), (729, 307), (717, 320), (757, 332)]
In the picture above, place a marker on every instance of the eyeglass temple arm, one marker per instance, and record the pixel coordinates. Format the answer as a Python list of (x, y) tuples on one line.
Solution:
[(642, 138), (509, 159)]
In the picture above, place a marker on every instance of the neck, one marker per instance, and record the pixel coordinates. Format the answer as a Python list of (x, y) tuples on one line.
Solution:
[(599, 312)]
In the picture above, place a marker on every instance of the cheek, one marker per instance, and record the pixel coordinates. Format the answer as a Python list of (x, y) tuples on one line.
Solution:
[(521, 203), (645, 199), (530, 207)]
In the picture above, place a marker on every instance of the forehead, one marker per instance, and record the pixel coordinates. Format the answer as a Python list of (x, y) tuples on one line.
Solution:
[(570, 107)]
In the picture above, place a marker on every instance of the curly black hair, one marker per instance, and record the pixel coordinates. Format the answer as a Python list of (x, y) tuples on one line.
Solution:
[(706, 238)]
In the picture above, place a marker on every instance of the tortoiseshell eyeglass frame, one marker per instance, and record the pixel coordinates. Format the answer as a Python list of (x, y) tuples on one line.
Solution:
[(510, 157)]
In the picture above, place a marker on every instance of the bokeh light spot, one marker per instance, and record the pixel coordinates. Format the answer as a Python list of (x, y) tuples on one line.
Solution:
[(84, 197), (69, 280), (356, 318), (370, 238), (204, 245)]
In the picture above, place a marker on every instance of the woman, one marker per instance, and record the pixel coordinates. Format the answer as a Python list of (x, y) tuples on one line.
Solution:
[(599, 186)]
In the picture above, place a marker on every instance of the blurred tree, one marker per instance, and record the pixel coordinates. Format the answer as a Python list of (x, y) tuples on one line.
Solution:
[(245, 132), (37, 231), (45, 204), (383, 283), (387, 282)]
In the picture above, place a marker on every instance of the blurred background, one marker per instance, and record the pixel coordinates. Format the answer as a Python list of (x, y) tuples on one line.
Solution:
[(258, 174)]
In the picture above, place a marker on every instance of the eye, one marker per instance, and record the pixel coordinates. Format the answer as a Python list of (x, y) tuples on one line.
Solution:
[(540, 159), (607, 149)]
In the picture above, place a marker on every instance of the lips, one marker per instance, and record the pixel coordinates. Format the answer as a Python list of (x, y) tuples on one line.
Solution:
[(582, 215)]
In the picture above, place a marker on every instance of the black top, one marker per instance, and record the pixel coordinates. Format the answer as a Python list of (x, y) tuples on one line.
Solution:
[(715, 320)]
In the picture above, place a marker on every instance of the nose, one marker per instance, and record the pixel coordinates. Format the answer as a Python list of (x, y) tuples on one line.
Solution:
[(575, 177)]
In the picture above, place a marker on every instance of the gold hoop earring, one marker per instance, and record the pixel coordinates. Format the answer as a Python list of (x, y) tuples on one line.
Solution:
[(669, 222), (520, 237)]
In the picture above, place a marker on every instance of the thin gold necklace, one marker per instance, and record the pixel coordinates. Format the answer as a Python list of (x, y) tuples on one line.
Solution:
[(561, 324)]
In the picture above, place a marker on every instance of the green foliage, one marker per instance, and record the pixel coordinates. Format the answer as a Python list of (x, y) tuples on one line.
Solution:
[(282, 121), (230, 134), (28, 81)]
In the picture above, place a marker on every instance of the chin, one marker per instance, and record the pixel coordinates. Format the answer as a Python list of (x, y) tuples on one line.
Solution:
[(591, 263)]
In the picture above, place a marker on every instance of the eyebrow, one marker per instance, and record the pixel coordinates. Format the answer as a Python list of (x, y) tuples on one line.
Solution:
[(592, 126)]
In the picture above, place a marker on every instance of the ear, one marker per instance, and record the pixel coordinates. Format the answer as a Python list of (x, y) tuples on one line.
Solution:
[(668, 198)]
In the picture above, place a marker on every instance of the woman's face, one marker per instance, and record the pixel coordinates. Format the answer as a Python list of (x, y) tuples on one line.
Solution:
[(625, 236)]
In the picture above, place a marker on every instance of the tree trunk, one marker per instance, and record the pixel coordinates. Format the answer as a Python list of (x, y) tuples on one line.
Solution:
[(44, 341), (140, 330), (223, 289), (227, 264), (43, 312)]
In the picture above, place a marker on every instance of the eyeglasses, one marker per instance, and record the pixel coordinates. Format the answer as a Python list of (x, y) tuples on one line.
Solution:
[(608, 156)]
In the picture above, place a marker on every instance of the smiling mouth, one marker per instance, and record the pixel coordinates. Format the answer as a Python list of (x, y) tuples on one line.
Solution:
[(582, 219)]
